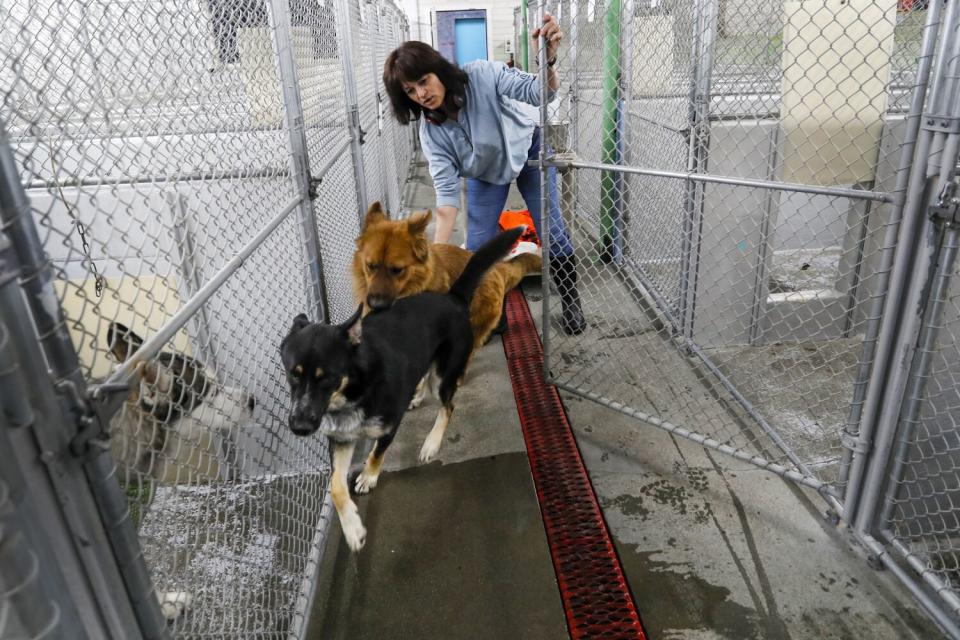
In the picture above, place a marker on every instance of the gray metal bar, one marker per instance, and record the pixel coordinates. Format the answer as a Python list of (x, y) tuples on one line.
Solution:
[(345, 42), (883, 271), (574, 60), (21, 570), (103, 181), (923, 361), (947, 623), (898, 334), (124, 373), (50, 324), (697, 157), (544, 183), (838, 192), (702, 440), (279, 13), (760, 285), (943, 589), (184, 237)]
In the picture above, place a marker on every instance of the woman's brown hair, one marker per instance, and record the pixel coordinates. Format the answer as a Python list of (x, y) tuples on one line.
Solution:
[(408, 63)]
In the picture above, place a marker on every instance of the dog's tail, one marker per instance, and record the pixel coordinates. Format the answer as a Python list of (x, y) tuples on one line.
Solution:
[(485, 257)]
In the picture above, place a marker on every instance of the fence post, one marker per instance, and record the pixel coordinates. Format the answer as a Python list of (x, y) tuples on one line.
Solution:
[(698, 152), (345, 42), (870, 348), (933, 171), (299, 160), (73, 439)]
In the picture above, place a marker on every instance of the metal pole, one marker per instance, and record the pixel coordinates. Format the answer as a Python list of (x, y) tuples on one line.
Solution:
[(837, 192), (574, 88), (345, 42), (63, 364), (184, 237), (524, 38), (299, 158), (923, 361), (898, 336), (609, 130), (697, 156), (544, 177), (888, 250), (764, 242)]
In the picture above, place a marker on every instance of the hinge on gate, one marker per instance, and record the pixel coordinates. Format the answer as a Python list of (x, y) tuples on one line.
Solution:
[(941, 124)]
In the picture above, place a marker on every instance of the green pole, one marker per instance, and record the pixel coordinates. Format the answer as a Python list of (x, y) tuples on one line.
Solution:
[(608, 127), (524, 38)]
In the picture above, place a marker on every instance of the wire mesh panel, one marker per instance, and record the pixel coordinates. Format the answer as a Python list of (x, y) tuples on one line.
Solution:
[(189, 167), (726, 170)]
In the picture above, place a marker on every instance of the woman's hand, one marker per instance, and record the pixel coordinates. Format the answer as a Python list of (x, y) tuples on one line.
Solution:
[(551, 33)]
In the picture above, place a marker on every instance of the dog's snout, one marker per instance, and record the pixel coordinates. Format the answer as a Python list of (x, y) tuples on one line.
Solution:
[(379, 301), (303, 424), (251, 403)]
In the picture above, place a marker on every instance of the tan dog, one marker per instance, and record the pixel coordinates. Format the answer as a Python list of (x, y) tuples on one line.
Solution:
[(394, 259)]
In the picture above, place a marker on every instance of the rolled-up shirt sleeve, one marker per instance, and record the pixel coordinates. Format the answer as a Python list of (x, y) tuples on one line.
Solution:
[(446, 181), (519, 85)]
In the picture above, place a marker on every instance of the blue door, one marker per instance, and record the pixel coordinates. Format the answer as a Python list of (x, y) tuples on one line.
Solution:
[(470, 40)]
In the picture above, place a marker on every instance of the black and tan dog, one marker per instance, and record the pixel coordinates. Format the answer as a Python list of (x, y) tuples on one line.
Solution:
[(355, 380)]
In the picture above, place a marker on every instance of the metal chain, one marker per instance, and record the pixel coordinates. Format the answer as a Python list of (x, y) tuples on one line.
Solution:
[(81, 231)]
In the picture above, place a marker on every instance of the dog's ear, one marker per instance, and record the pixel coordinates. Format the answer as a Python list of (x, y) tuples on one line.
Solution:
[(417, 223), (375, 214), (352, 328), (122, 341), (417, 229), (299, 322)]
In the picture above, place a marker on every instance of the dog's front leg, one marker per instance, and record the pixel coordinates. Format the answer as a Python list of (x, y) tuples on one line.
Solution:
[(431, 445), (350, 523)]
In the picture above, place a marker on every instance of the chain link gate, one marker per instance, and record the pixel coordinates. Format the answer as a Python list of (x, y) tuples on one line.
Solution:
[(178, 181), (741, 186)]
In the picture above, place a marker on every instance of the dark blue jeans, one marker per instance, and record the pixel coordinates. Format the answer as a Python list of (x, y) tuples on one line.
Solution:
[(485, 202)]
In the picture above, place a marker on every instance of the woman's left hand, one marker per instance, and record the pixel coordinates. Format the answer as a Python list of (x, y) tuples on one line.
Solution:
[(551, 33)]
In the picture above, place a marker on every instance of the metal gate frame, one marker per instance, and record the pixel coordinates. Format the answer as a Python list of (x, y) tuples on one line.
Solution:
[(918, 260), (67, 542)]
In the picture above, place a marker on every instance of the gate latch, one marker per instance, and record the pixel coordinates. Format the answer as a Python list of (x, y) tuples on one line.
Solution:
[(92, 435), (948, 208)]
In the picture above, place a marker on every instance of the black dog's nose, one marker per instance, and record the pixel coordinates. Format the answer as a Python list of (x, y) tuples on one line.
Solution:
[(303, 424), (378, 302)]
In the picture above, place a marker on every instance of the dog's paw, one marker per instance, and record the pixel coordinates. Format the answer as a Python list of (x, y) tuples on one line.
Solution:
[(365, 482), (353, 530), (430, 447), (416, 402)]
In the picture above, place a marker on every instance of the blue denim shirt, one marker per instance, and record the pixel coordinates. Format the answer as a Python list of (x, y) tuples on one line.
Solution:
[(492, 134)]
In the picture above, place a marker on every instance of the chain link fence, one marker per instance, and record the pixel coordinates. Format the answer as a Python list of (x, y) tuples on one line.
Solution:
[(742, 188), (181, 179)]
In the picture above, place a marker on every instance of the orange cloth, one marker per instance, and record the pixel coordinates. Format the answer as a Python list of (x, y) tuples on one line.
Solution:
[(511, 219)]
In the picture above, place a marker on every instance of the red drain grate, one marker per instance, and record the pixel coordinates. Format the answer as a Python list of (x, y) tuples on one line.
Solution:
[(595, 594)]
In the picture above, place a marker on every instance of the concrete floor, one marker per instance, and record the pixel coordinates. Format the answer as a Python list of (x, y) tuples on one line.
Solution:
[(711, 547)]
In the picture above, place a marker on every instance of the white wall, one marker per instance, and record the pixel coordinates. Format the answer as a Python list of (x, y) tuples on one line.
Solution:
[(499, 20)]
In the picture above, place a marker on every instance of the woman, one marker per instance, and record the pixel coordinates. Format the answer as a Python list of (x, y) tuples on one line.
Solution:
[(474, 126)]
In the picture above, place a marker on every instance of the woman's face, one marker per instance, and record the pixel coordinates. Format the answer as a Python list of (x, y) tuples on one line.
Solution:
[(428, 91)]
